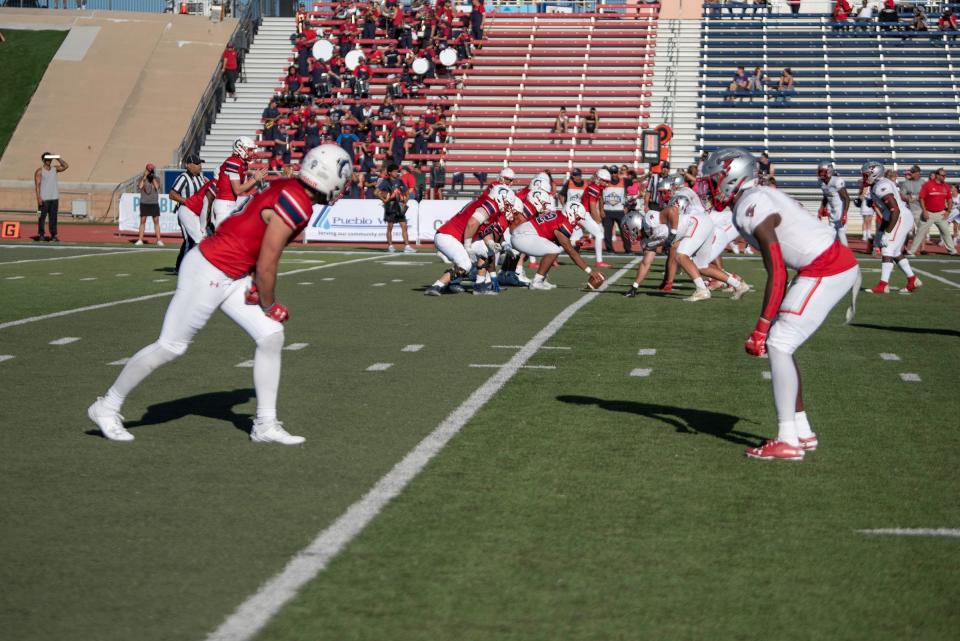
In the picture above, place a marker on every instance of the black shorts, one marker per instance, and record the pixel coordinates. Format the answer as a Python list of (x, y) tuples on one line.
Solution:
[(148, 211), (393, 213)]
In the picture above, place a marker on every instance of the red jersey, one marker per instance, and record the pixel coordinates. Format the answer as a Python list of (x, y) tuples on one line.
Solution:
[(495, 226), (593, 193), (457, 225), (195, 202), (235, 246), (935, 196), (230, 60), (547, 224), (234, 168)]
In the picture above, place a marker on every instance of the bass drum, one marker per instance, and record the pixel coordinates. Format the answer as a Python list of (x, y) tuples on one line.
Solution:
[(421, 66), (353, 58), (323, 50), (448, 57)]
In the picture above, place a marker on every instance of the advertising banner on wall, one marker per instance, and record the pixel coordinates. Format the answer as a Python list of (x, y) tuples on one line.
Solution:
[(130, 215), (361, 221)]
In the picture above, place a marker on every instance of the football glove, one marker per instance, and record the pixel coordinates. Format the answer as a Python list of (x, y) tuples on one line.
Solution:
[(756, 344), (252, 296), (843, 218), (858, 202), (882, 240), (277, 312), (823, 213)]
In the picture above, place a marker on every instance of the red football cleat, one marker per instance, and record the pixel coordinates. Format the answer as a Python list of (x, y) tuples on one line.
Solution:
[(808, 444), (665, 287), (601, 264), (879, 288), (912, 283), (772, 450)]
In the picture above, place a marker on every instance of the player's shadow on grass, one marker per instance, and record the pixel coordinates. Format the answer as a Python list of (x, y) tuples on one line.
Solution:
[(214, 405), (166, 270), (685, 420), (910, 330)]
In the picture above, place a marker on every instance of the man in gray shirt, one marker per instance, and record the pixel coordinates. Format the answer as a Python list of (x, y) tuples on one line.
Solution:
[(910, 192), (48, 193)]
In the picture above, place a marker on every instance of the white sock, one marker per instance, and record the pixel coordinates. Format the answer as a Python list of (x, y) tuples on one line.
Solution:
[(699, 283), (733, 281), (266, 374), (803, 425), (786, 384), (598, 248), (886, 269), (904, 266), (439, 283), (140, 366), (735, 247)]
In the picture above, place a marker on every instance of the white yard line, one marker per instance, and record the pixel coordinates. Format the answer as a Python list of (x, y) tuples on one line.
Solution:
[(295, 347), (244, 364), (250, 617), (647, 351), (66, 340), (379, 367), (14, 277), (412, 348), (104, 253), (935, 277), (122, 361), (641, 372), (138, 299), (889, 357), (920, 531), (6, 357), (909, 377)]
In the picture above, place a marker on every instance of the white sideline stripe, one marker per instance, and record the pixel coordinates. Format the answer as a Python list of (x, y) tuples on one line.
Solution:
[(910, 377), (496, 366), (138, 299), (641, 372), (889, 357), (647, 351), (379, 367), (412, 348), (939, 278), (295, 347), (6, 357), (66, 340), (767, 376), (245, 364), (251, 615), (14, 277), (105, 253), (920, 531), (122, 361)]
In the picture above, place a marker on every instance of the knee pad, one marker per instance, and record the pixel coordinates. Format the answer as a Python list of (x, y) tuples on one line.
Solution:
[(274, 340), (173, 349)]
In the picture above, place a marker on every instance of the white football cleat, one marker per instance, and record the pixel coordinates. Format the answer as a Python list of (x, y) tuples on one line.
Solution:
[(271, 431), (738, 292), (409, 250), (109, 422), (702, 293), (542, 285)]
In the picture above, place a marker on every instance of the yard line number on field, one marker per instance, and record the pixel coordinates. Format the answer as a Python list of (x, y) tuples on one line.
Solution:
[(256, 611)]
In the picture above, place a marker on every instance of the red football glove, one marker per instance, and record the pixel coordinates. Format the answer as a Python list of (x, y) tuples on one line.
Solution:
[(843, 218), (756, 345), (665, 286), (823, 213), (252, 296), (277, 312)]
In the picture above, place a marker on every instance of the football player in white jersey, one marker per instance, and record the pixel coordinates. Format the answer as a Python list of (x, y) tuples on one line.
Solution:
[(836, 200), (697, 245), (895, 226), (788, 237)]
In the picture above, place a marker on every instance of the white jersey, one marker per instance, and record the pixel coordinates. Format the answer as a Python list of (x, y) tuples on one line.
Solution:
[(831, 191), (884, 187), (802, 239)]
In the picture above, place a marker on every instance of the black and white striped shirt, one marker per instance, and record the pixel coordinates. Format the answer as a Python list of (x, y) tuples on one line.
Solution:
[(187, 185)]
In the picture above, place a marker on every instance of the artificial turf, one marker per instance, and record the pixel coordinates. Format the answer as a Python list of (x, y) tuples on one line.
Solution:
[(579, 503), (24, 58)]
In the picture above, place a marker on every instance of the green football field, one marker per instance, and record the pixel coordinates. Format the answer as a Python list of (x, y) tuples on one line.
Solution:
[(533, 466)]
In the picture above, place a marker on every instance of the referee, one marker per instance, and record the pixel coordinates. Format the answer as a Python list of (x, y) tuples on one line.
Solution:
[(186, 185)]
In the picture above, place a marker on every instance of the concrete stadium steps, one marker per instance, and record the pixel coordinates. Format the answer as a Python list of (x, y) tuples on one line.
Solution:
[(265, 61), (676, 87)]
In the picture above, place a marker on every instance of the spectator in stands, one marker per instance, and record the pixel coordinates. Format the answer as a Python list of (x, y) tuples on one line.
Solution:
[(794, 6), (948, 23), (919, 22), (841, 14), (888, 17), (271, 112), (936, 203), (349, 141), (785, 86), (739, 84), (420, 181), (438, 179), (765, 168), (591, 122), (864, 15), (759, 5), (560, 124), (758, 81), (477, 11), (231, 70), (409, 181)]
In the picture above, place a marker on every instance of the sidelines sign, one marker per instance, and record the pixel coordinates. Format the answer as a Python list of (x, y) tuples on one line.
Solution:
[(362, 220), (130, 215)]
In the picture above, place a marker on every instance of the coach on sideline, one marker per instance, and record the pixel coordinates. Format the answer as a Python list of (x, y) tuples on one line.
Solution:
[(48, 193), (187, 184)]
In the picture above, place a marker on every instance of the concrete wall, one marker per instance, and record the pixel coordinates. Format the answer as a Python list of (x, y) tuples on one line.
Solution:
[(119, 93)]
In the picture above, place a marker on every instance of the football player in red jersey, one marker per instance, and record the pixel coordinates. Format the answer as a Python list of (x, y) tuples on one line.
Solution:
[(592, 200), (235, 270), (233, 182)]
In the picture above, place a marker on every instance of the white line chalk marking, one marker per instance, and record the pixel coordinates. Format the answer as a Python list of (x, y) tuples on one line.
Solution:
[(560, 347), (66, 340), (327, 280), (305, 283), (397, 280), (641, 372), (251, 615), (56, 273), (122, 361), (939, 278), (495, 366), (412, 348), (401, 262), (910, 377), (89, 278), (378, 284), (160, 280), (138, 299), (921, 531), (245, 364), (379, 367), (295, 347), (122, 275), (6, 357), (767, 376), (647, 351), (14, 277), (889, 357), (104, 253)]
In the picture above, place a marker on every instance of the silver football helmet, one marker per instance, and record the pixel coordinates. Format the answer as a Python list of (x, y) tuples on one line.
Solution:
[(681, 202), (872, 171), (633, 226), (671, 184), (728, 171), (825, 170)]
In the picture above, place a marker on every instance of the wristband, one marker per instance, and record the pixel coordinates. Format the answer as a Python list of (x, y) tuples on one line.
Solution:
[(762, 326), (587, 270)]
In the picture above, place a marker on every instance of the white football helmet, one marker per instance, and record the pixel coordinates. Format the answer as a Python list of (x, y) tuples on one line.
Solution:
[(633, 225), (541, 181), (681, 202), (872, 171), (729, 171), (244, 146), (507, 174), (541, 200), (671, 184), (327, 170), (575, 211), (602, 174), (825, 170)]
